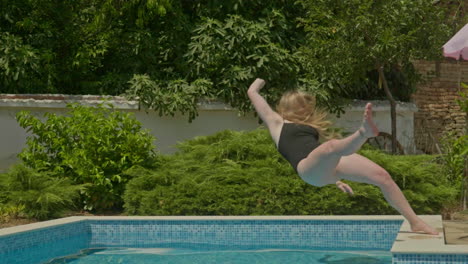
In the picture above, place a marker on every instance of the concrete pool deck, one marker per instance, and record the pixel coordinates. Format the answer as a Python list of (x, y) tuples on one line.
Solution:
[(406, 242), (456, 232)]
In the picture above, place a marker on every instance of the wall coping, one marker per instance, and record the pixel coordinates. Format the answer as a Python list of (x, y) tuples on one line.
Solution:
[(382, 105), (60, 101)]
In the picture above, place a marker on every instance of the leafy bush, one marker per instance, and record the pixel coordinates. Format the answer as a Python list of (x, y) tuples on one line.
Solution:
[(461, 145), (89, 145), (463, 101), (455, 162), (36, 194), (422, 179), (241, 173), (8, 212), (455, 149)]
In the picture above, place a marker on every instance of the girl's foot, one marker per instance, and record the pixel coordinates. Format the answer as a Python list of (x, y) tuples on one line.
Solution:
[(368, 129), (424, 228)]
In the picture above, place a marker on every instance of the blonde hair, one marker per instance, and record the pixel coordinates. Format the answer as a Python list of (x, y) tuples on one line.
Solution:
[(300, 107)]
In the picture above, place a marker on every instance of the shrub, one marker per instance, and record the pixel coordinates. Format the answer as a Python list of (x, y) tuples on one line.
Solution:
[(89, 145), (241, 173), (455, 149), (422, 179), (455, 162), (36, 194), (8, 212)]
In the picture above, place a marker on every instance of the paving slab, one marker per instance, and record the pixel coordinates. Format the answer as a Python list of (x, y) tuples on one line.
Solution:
[(408, 242), (456, 232)]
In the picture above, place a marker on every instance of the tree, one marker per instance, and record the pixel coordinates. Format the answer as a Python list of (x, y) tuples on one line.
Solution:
[(153, 47), (68, 46), (348, 39), (223, 55)]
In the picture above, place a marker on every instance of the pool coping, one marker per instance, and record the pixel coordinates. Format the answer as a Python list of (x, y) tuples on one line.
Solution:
[(406, 242)]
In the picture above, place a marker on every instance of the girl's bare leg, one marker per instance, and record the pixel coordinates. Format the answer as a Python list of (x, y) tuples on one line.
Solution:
[(318, 168), (353, 143), (335, 160), (360, 169)]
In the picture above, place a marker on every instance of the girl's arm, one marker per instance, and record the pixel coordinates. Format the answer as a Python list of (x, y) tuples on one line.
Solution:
[(272, 119)]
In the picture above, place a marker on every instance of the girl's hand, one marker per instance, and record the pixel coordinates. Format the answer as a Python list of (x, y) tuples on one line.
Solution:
[(344, 187), (257, 85)]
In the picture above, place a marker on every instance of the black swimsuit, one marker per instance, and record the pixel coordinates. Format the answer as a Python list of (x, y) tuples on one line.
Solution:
[(296, 141)]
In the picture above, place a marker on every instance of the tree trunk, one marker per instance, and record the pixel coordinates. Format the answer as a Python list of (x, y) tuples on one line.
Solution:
[(392, 107), (464, 187), (465, 168)]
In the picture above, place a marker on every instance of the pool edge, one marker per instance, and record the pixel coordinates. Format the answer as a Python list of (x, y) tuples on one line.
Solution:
[(406, 242), (73, 219)]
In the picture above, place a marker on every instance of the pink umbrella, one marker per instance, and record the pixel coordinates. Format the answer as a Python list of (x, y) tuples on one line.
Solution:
[(457, 46)]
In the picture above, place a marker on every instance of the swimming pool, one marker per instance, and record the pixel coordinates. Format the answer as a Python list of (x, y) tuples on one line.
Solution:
[(184, 256), (204, 240)]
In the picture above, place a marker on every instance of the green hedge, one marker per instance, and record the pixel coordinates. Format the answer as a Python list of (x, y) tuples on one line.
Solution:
[(36, 194), (241, 173)]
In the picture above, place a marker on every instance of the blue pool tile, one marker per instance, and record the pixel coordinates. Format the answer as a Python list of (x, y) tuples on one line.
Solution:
[(43, 235), (43, 252), (378, 235), (46, 243), (430, 258)]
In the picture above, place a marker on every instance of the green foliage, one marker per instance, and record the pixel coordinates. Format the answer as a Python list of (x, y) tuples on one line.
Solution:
[(242, 173), (36, 194), (463, 101), (169, 97), (76, 40), (222, 58), (8, 212), (455, 150), (215, 48), (90, 145), (18, 63), (348, 40), (401, 81), (111, 46), (455, 158), (455, 162), (232, 52), (423, 180)]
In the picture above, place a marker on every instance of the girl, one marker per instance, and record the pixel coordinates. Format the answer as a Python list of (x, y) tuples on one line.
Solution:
[(296, 128)]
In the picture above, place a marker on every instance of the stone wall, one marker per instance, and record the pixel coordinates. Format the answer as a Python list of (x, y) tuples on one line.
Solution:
[(213, 117), (438, 113)]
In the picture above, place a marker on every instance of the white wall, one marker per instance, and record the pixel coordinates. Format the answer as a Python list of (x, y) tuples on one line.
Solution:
[(168, 131), (352, 119)]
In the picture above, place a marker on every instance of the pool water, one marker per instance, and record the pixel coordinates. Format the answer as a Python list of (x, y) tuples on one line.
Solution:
[(183, 256)]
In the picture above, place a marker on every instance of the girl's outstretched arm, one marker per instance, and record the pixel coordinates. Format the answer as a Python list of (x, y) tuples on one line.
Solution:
[(272, 119)]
